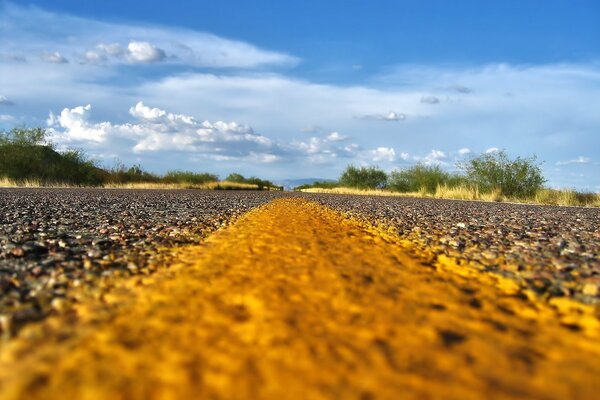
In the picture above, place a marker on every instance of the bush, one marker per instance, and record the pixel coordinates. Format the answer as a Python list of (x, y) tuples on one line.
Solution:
[(177, 176), (521, 177), (318, 184), (120, 174), (422, 178), (363, 178), (261, 183), (25, 154)]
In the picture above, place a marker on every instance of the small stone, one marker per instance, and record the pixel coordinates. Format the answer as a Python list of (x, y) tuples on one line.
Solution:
[(17, 252)]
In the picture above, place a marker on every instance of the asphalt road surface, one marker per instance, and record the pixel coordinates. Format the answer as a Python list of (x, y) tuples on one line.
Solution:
[(296, 301)]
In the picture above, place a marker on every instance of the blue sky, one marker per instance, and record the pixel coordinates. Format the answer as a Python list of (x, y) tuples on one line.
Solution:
[(297, 89)]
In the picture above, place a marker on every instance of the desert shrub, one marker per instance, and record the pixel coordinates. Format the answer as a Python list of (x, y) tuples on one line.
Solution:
[(177, 176), (519, 177), (119, 173), (363, 177), (253, 180), (420, 177), (27, 155), (319, 184)]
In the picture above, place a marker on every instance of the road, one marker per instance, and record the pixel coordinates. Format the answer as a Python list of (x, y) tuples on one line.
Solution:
[(296, 301)]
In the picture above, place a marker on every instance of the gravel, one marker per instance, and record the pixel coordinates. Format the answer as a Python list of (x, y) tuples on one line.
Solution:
[(54, 240), (550, 249)]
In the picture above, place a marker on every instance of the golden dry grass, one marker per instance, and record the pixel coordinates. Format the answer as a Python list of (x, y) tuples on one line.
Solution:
[(372, 192), (221, 185), (465, 192)]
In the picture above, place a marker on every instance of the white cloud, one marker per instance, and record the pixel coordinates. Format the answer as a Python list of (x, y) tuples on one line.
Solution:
[(91, 56), (76, 125), (33, 31), (336, 137), (4, 101), (578, 160), (434, 157), (383, 154), (390, 116), (464, 151), (111, 49), (144, 52), (158, 130), (405, 156), (54, 57), (143, 112), (6, 118), (492, 150)]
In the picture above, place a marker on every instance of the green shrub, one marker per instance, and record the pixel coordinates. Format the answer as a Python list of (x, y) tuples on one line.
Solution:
[(177, 176), (521, 177), (422, 178), (25, 154), (319, 184), (261, 183), (120, 173), (363, 177)]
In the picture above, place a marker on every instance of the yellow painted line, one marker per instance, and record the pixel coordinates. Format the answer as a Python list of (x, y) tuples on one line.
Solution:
[(296, 302)]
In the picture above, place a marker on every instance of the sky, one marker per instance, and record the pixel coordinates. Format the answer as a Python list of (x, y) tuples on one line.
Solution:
[(298, 89)]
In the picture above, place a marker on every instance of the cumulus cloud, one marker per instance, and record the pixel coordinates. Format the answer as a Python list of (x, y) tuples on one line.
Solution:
[(464, 151), (111, 49), (144, 52), (6, 118), (76, 126), (430, 100), (578, 160), (54, 57), (383, 154), (158, 130), (434, 157), (336, 137), (492, 150), (4, 101), (391, 116)]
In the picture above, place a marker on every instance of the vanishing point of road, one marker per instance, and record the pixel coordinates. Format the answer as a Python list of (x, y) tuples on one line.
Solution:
[(296, 301)]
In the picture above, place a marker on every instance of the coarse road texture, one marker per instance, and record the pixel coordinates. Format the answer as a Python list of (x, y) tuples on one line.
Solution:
[(295, 301)]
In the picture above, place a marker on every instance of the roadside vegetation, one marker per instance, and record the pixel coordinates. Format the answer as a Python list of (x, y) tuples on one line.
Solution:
[(29, 159), (489, 177)]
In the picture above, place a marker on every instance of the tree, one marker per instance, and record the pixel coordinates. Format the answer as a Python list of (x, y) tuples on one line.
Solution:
[(363, 177), (520, 177)]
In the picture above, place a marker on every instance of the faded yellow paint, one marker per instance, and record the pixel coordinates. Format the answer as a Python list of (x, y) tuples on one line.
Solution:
[(295, 301)]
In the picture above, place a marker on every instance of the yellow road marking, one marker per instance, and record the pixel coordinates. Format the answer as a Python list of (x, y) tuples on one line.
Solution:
[(296, 302)]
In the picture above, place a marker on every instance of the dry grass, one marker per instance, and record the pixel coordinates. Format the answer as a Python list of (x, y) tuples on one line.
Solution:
[(464, 192), (567, 198), (227, 185), (221, 185), (30, 183), (371, 192)]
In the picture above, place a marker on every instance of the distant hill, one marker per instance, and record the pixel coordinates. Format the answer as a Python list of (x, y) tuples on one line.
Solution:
[(289, 184)]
